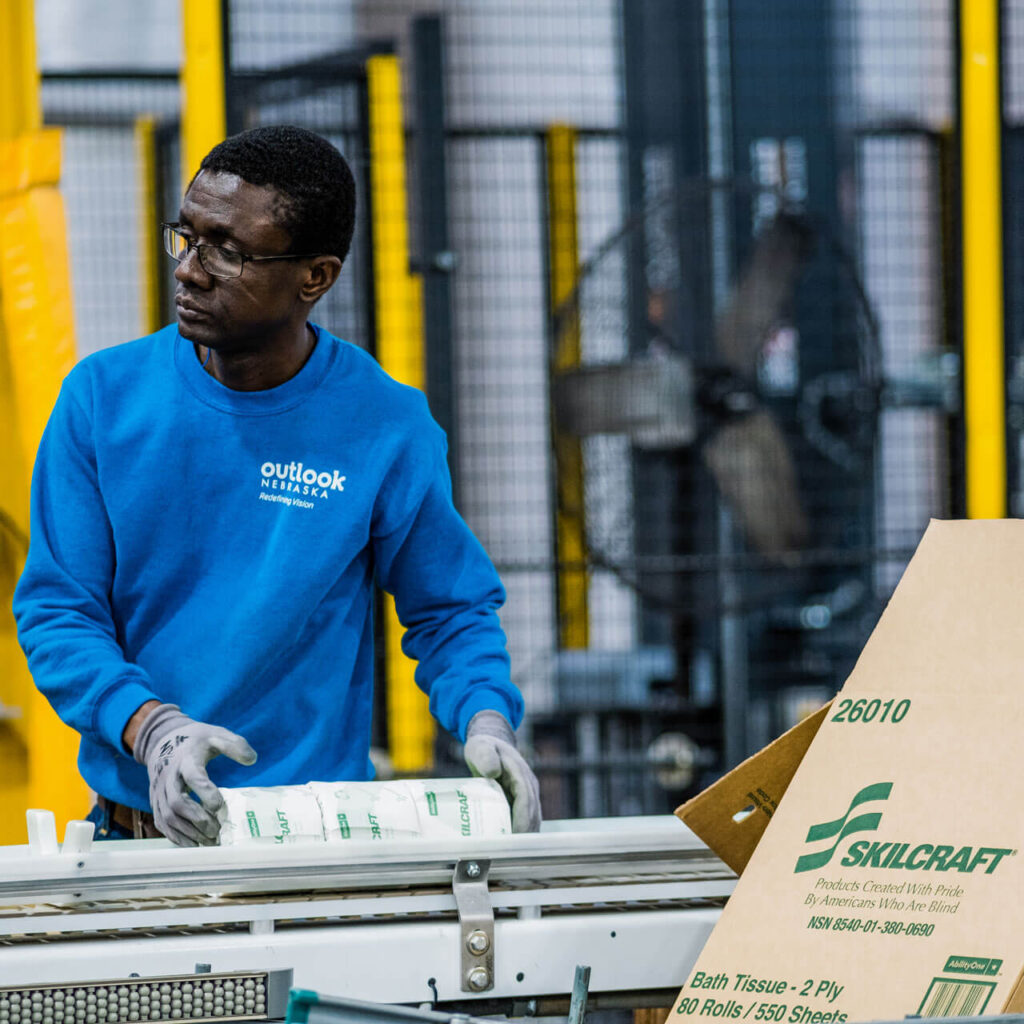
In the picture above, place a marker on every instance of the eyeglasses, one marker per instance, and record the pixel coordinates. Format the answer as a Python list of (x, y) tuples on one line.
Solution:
[(215, 259)]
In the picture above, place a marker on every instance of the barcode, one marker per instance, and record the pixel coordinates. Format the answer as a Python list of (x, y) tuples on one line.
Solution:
[(955, 998)]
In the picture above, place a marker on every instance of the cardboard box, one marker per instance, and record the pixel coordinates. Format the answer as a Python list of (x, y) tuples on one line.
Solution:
[(888, 881)]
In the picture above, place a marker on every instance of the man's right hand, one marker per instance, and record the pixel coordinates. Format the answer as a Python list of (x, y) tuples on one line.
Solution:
[(175, 750)]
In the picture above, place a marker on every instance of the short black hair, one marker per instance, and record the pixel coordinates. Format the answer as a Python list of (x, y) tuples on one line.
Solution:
[(314, 181)]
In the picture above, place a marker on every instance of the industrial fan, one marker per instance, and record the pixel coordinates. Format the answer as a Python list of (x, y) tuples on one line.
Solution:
[(736, 398), (687, 398)]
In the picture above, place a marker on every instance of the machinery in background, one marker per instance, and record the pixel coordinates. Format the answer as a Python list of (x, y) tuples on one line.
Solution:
[(646, 726), (733, 383)]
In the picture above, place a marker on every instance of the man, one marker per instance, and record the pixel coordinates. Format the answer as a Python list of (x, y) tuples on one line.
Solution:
[(211, 506)]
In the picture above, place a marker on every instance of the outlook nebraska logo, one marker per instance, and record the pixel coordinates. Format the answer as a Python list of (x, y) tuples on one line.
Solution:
[(844, 826)]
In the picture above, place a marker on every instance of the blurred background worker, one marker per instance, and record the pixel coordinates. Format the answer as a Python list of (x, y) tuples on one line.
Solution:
[(211, 507)]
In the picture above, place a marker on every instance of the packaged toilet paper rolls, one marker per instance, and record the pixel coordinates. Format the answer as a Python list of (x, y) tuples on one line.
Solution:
[(366, 810), (409, 808), (461, 807), (346, 811), (277, 814)]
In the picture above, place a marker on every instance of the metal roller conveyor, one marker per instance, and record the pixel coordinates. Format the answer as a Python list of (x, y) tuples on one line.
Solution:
[(492, 921)]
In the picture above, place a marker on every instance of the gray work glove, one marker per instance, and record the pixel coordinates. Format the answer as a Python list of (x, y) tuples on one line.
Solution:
[(175, 750), (490, 751)]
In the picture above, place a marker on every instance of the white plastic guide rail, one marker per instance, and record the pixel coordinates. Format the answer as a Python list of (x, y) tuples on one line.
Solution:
[(405, 921), (641, 848)]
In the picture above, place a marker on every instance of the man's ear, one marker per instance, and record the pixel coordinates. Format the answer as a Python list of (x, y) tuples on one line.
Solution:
[(323, 271)]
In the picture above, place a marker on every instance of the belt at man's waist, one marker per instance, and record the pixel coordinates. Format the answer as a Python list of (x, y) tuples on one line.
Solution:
[(131, 819)]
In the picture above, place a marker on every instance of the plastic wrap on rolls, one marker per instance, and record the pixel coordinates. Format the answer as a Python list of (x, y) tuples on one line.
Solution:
[(271, 814), (412, 808), (366, 810), (461, 807), (347, 811)]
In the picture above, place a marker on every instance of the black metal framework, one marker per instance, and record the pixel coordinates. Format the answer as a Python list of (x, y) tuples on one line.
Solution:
[(1011, 38), (326, 95), (436, 261)]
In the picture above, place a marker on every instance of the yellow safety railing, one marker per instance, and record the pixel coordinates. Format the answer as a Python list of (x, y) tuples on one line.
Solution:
[(398, 305), (563, 270), (203, 104), (37, 349), (984, 367), (150, 265)]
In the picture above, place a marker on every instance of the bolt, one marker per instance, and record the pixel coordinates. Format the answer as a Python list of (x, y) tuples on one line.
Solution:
[(473, 869), (478, 943), (445, 261), (478, 979)]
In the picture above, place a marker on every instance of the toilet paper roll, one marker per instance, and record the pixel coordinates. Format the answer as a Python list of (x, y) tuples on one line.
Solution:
[(270, 814)]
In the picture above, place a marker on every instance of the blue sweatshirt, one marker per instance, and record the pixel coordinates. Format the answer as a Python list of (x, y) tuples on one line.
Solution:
[(217, 549)]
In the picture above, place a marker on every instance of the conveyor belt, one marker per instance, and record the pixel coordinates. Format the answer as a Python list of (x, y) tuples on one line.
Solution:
[(634, 897)]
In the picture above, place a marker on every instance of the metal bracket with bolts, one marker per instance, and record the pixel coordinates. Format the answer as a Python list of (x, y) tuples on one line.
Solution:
[(476, 924)]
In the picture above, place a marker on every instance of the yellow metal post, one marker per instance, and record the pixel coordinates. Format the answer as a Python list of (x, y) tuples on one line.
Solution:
[(37, 349), (19, 77), (203, 105), (984, 367), (398, 302), (150, 266), (563, 264)]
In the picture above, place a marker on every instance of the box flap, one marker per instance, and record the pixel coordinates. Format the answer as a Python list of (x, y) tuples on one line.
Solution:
[(732, 814), (1015, 1001)]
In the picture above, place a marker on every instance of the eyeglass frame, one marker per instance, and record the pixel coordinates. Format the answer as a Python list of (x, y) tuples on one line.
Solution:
[(174, 226)]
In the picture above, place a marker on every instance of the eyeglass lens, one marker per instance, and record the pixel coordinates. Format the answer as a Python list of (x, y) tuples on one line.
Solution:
[(214, 260)]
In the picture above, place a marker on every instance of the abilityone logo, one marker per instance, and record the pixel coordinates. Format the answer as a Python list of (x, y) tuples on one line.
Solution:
[(893, 855)]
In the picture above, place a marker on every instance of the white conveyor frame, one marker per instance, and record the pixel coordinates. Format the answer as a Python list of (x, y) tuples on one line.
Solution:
[(635, 898)]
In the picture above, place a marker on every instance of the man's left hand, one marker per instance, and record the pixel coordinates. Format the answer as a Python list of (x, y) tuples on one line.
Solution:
[(490, 751)]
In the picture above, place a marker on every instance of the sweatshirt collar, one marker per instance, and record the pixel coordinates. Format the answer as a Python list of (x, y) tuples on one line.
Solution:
[(254, 403)]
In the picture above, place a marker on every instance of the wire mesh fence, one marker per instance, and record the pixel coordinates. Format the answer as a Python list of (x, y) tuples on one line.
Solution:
[(329, 101), (105, 189), (766, 318), (1012, 25)]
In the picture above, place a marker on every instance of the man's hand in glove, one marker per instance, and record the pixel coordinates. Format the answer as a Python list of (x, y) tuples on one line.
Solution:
[(490, 751), (175, 749)]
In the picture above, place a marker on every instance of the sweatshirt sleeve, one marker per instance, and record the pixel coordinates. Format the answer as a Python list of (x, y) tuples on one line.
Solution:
[(62, 602), (447, 592)]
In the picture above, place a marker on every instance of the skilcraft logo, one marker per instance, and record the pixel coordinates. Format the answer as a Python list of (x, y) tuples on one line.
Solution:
[(891, 854), (844, 826)]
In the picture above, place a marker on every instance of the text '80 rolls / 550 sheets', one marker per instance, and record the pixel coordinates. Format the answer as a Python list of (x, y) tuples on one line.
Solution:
[(340, 811)]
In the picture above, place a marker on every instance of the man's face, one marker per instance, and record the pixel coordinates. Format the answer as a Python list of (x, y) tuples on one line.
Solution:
[(247, 312)]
